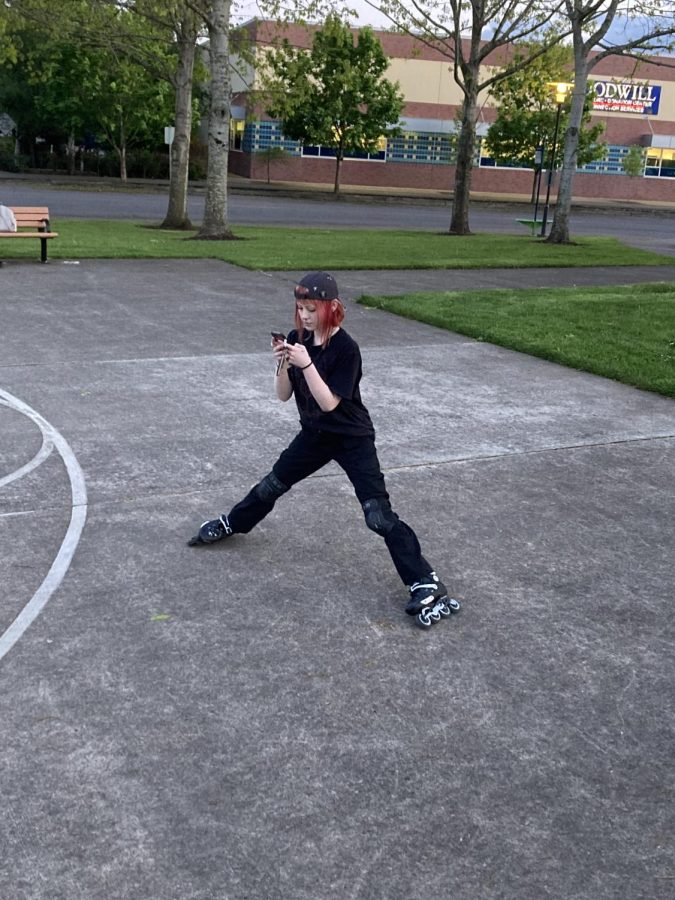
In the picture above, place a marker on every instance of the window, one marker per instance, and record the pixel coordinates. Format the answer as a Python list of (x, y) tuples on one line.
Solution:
[(420, 147), (660, 163), (482, 158), (611, 162), (379, 155), (236, 133)]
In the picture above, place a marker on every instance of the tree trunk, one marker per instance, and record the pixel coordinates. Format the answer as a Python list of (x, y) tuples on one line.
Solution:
[(122, 153), (560, 230), (71, 150), (338, 164), (215, 224), (465, 148), (177, 213), (121, 150)]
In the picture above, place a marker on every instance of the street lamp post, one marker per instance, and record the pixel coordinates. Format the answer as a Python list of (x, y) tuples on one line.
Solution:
[(561, 91)]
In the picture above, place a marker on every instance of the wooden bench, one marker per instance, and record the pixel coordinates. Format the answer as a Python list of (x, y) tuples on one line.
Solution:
[(35, 218)]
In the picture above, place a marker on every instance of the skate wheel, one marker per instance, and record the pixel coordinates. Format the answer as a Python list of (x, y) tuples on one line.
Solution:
[(453, 605), (444, 609), (423, 619)]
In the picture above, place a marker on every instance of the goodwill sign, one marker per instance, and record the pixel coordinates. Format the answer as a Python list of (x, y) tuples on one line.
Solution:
[(626, 97)]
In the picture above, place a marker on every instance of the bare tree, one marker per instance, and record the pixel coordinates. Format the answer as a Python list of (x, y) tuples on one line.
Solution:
[(477, 39), (589, 21)]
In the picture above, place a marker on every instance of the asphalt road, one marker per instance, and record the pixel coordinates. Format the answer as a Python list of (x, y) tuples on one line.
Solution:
[(652, 229)]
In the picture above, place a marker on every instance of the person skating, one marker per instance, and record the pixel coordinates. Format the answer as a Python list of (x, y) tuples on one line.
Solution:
[(319, 364)]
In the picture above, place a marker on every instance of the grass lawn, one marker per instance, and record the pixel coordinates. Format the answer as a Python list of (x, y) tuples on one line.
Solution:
[(624, 333), (314, 248)]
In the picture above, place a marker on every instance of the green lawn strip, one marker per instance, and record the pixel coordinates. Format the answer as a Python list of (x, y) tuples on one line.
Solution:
[(626, 333), (317, 248)]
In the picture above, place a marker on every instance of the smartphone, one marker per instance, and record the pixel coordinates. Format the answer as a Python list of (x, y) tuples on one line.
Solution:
[(278, 336)]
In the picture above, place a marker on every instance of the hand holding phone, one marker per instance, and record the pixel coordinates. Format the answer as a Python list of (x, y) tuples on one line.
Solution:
[(279, 338)]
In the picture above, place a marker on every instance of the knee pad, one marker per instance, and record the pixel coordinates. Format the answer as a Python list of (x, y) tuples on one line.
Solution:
[(270, 488), (380, 517)]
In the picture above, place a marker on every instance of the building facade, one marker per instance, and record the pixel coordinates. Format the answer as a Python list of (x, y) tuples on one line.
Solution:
[(634, 101)]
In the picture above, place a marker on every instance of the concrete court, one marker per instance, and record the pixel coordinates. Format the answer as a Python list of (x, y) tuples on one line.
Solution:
[(259, 719)]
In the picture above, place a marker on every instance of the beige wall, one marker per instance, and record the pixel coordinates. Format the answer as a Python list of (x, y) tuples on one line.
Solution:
[(426, 81), (430, 82)]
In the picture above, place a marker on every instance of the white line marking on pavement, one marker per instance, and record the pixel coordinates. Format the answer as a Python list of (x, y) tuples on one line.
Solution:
[(38, 459), (78, 517)]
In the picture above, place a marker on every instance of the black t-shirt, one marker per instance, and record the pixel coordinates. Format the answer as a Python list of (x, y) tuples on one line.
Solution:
[(339, 364)]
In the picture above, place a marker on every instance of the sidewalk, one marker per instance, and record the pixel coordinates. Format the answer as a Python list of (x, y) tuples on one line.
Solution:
[(259, 720)]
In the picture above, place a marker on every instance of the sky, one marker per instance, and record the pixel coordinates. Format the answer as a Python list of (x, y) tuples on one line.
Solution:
[(623, 29), (248, 9)]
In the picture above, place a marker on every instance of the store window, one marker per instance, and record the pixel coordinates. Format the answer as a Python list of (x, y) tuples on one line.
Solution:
[(237, 133), (660, 163)]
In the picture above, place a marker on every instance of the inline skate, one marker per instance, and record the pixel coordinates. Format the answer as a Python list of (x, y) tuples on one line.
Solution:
[(211, 531), (429, 601)]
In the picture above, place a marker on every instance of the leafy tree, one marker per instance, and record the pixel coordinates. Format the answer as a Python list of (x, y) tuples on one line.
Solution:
[(47, 86), (68, 57), (634, 161), (7, 48), (132, 109), (178, 24), (156, 36), (336, 95), (63, 76), (589, 21), (17, 99), (526, 113)]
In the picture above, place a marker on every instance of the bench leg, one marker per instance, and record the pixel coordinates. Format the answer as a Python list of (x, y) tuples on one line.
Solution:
[(43, 251)]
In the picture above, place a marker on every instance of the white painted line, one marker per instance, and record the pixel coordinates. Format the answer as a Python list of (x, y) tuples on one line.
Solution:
[(13, 515), (38, 459), (78, 517)]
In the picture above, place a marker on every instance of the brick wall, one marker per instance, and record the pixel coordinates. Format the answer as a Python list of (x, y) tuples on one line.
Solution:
[(586, 185), (441, 178)]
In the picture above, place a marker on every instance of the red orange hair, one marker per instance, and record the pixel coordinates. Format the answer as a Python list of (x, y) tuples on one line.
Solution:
[(330, 314)]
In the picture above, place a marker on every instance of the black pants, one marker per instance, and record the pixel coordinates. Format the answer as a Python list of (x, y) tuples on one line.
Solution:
[(309, 452)]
